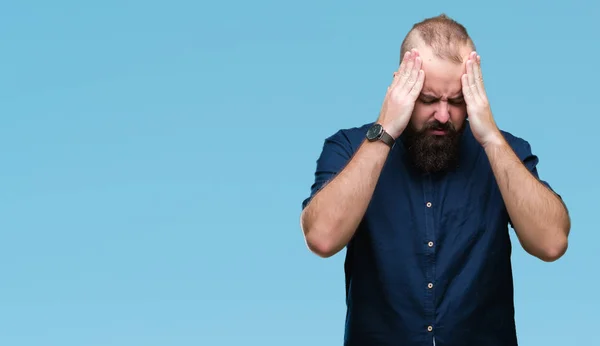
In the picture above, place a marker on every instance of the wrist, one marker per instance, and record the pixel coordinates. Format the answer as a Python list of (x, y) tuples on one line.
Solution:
[(494, 141), (390, 130), (395, 134), (378, 133)]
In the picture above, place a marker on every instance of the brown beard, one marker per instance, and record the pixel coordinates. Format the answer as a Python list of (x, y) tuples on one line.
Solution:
[(431, 153)]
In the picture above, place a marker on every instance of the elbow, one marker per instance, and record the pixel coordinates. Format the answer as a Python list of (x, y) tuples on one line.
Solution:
[(547, 244), (318, 241), (319, 237), (321, 246), (558, 245), (554, 250)]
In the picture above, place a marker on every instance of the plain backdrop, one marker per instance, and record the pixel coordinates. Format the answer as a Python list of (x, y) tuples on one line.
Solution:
[(154, 156)]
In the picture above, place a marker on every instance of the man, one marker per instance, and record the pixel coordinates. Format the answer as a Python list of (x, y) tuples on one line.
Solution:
[(422, 199)]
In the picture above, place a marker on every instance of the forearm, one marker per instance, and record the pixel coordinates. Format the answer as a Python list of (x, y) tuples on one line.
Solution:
[(538, 216), (333, 215)]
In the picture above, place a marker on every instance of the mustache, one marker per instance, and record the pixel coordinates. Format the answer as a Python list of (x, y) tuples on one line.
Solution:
[(436, 125)]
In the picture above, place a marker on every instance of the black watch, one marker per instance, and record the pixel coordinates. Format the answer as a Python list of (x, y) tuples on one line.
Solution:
[(376, 132)]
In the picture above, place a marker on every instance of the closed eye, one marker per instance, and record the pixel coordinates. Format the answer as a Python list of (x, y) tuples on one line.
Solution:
[(457, 101), (428, 101)]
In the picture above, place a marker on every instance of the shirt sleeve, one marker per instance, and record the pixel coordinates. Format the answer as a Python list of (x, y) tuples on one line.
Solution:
[(523, 151), (336, 153), (531, 161)]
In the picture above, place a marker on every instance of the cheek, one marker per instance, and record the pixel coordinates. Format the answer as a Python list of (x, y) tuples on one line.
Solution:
[(421, 114), (458, 115)]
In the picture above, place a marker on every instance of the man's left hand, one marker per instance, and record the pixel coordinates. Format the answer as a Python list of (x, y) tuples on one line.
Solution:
[(482, 122)]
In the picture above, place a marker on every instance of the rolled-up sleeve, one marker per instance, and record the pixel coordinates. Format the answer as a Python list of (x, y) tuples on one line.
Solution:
[(335, 155), (523, 151)]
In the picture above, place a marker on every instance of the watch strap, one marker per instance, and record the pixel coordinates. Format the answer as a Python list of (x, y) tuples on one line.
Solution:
[(387, 139)]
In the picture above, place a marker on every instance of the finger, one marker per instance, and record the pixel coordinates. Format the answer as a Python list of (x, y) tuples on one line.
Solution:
[(479, 78), (410, 66), (416, 89), (466, 89), (473, 77), (407, 70), (402, 69), (472, 84), (477, 69), (396, 74), (476, 82), (414, 74)]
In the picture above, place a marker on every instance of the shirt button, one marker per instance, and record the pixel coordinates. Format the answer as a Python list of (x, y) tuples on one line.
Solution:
[(430, 244), (430, 328), (430, 285), (428, 204)]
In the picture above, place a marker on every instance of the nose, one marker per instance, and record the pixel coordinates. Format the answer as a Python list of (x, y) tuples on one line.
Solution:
[(442, 113)]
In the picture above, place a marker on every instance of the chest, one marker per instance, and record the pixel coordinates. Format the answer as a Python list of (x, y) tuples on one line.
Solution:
[(408, 207)]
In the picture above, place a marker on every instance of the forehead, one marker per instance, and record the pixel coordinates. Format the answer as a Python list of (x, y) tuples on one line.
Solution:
[(442, 77)]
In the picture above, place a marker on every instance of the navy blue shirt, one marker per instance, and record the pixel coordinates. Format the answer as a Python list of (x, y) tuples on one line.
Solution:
[(430, 262)]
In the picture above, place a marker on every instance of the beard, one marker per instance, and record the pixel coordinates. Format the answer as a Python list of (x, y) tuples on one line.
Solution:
[(433, 153)]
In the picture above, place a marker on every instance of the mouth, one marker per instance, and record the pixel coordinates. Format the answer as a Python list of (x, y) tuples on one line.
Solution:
[(438, 132)]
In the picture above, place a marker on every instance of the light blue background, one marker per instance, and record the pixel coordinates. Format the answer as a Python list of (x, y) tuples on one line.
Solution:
[(155, 155)]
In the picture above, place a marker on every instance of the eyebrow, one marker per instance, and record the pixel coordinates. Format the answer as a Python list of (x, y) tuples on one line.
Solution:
[(434, 97), (428, 96)]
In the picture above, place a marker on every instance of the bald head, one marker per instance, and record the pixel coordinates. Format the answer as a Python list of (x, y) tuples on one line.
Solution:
[(442, 36)]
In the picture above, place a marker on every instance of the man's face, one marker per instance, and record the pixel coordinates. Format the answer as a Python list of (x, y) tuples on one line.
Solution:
[(438, 120)]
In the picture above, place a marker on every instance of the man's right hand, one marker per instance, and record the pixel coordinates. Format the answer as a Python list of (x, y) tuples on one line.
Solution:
[(401, 95)]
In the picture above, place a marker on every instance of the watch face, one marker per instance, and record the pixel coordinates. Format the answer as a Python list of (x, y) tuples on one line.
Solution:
[(374, 132)]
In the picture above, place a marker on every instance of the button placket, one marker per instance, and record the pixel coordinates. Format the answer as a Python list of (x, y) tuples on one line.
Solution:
[(428, 199)]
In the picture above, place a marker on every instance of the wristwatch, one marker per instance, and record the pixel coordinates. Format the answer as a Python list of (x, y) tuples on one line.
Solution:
[(376, 132)]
